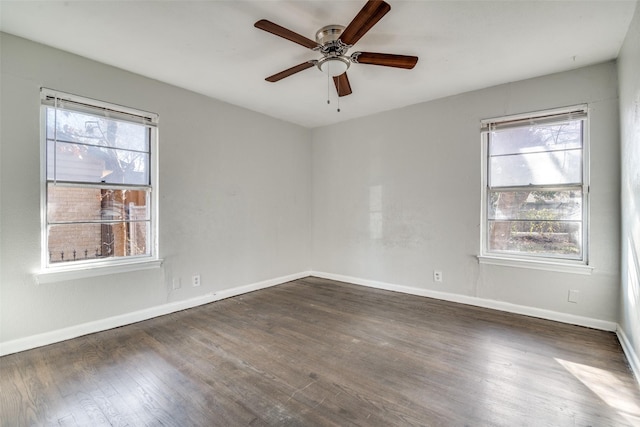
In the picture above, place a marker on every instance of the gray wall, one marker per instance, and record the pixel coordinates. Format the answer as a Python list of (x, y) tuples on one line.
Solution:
[(245, 198), (629, 75), (397, 195), (234, 194)]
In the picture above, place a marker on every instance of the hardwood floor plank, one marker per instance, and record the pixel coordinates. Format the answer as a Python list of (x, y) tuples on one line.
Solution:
[(315, 352)]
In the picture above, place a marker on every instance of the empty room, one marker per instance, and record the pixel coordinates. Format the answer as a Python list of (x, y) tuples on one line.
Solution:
[(320, 213)]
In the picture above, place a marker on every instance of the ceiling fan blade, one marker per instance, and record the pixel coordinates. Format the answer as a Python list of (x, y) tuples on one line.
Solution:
[(279, 31), (385, 59), (286, 73), (369, 15), (342, 84)]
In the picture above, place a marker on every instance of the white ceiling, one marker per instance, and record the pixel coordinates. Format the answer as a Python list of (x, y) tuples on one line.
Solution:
[(212, 47)]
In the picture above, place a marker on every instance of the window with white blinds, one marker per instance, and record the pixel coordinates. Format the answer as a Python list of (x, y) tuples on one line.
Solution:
[(535, 186), (99, 167)]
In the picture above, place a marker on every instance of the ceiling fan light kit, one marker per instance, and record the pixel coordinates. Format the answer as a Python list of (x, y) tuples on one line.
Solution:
[(334, 66), (333, 42)]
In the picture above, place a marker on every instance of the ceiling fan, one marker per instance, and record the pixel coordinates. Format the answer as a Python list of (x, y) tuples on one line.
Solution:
[(333, 42)]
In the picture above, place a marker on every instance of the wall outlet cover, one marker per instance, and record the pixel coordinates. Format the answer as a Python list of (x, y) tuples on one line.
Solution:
[(573, 296)]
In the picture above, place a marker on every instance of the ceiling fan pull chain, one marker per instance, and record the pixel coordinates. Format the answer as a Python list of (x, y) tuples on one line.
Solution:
[(338, 87), (328, 88)]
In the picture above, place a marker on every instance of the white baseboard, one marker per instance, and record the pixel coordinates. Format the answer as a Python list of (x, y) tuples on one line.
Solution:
[(478, 302), (632, 357), (64, 334), (59, 335)]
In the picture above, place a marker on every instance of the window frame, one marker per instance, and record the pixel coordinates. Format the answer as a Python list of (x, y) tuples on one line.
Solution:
[(529, 260), (54, 271)]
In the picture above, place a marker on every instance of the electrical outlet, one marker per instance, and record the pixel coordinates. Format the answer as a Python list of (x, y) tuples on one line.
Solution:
[(437, 276), (573, 296), (177, 283), (195, 280)]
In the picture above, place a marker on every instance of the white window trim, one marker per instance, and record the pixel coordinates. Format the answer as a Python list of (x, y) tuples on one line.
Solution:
[(69, 271), (536, 264), (522, 260), (50, 275)]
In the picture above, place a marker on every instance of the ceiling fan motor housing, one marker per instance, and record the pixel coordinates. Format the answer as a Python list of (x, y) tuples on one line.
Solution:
[(334, 62), (329, 33)]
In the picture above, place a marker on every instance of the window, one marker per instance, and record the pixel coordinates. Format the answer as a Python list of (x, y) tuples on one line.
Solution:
[(535, 182), (99, 165)]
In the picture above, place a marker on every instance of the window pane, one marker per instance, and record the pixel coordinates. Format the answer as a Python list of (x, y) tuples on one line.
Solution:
[(82, 163), (93, 204), (73, 126), (550, 238), (547, 168), (79, 242), (520, 140), (544, 154), (535, 205)]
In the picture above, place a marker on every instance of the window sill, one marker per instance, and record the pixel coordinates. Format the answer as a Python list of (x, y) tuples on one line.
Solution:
[(59, 275), (536, 264)]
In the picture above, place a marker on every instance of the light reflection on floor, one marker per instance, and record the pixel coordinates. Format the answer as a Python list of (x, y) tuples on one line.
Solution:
[(607, 386)]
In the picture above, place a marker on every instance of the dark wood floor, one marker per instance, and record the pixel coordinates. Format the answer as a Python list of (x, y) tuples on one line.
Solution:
[(315, 352)]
